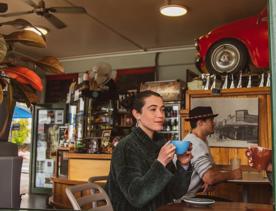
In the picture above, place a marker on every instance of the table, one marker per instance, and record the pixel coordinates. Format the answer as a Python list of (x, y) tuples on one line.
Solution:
[(219, 206), (251, 186), (245, 190)]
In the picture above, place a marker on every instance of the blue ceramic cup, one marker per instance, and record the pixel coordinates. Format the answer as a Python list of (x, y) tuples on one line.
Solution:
[(180, 146)]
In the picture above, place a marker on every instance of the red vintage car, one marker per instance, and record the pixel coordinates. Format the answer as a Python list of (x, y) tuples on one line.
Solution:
[(232, 47)]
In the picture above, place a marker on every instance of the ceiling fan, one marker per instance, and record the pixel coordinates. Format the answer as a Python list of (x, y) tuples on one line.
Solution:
[(46, 12)]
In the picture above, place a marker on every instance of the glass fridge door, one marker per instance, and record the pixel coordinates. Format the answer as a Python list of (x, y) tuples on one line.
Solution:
[(45, 141), (172, 127)]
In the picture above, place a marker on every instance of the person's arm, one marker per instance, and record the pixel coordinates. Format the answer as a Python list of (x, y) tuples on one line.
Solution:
[(203, 165), (213, 176)]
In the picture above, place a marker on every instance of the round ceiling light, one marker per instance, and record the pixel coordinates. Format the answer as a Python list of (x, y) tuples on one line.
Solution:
[(37, 29), (173, 10)]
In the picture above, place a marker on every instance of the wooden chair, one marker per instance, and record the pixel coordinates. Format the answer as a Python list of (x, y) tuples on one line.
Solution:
[(88, 196), (97, 178)]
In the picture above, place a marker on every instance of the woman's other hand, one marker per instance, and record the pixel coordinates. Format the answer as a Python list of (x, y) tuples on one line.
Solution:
[(166, 153), (248, 154), (185, 159)]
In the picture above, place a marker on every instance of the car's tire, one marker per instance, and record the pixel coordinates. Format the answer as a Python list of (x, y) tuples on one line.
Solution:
[(226, 57)]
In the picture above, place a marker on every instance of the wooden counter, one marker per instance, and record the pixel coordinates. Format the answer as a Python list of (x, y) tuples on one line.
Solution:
[(83, 166), (80, 168)]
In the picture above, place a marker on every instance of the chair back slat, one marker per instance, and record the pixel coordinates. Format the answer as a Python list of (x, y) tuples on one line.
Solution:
[(97, 178), (88, 195)]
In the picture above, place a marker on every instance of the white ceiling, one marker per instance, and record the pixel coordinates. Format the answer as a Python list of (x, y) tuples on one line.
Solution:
[(138, 22)]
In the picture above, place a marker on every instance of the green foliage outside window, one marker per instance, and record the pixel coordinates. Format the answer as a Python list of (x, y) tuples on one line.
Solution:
[(20, 136)]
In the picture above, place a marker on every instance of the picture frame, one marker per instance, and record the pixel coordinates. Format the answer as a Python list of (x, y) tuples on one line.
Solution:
[(170, 90), (62, 139), (237, 123), (105, 138), (262, 98)]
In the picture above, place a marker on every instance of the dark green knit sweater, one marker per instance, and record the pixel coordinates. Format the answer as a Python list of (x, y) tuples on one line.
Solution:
[(137, 181)]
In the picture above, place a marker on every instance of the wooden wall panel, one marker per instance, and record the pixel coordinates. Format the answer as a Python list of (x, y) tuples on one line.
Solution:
[(223, 155)]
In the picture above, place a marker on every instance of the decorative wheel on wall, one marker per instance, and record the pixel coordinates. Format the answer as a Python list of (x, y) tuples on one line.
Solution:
[(227, 57)]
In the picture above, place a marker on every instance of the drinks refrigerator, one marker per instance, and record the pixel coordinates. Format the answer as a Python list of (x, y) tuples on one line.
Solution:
[(45, 139), (172, 124)]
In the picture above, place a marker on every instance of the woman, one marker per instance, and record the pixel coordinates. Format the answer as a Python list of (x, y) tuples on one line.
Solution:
[(142, 175)]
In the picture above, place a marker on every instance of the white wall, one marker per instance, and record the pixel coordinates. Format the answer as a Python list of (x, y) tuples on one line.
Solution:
[(172, 64)]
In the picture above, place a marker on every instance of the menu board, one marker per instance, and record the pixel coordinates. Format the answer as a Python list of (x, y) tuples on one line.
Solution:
[(169, 90)]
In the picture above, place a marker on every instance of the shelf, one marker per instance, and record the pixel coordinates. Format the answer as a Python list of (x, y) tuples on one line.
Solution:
[(101, 112), (101, 123), (96, 129), (121, 126), (175, 131), (123, 112), (92, 137)]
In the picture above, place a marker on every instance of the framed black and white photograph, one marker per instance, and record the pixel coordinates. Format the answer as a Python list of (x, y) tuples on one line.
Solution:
[(237, 123)]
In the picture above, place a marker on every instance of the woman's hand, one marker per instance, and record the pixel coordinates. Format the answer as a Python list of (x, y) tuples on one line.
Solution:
[(186, 157), (166, 153), (269, 167), (248, 154)]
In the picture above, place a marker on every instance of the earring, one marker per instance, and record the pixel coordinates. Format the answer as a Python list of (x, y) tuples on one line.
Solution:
[(137, 124)]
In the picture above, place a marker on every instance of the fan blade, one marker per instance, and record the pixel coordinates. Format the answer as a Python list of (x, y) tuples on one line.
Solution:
[(31, 3), (16, 14), (18, 23), (54, 20), (67, 9)]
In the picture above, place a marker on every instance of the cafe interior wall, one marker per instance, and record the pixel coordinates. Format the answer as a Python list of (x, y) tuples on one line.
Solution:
[(171, 63)]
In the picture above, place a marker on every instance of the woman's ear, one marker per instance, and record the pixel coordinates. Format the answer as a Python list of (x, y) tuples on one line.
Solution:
[(136, 114)]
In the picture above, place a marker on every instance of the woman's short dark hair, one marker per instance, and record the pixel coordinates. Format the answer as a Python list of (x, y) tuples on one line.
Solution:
[(139, 100)]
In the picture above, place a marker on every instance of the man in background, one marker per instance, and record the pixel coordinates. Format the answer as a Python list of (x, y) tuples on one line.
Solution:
[(204, 173)]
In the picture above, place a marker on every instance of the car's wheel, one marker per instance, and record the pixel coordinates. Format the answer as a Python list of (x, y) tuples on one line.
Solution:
[(226, 57)]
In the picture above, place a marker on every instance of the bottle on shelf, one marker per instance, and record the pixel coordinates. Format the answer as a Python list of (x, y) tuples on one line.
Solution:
[(174, 113), (175, 125), (169, 112), (175, 136), (169, 125)]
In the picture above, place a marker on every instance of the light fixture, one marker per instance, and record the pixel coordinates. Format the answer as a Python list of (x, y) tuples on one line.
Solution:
[(173, 10), (37, 29)]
